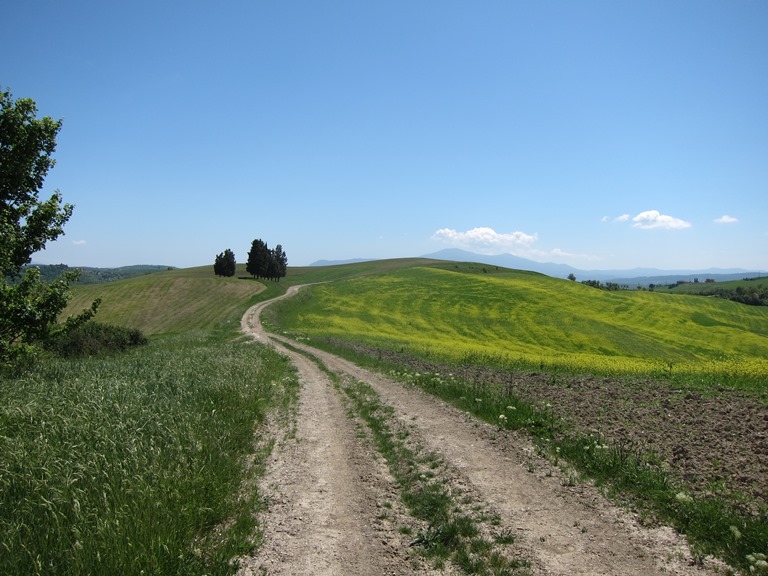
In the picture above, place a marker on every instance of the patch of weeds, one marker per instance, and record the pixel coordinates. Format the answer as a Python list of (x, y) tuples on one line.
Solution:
[(93, 339), (505, 537), (480, 546), (758, 563), (570, 480), (494, 520)]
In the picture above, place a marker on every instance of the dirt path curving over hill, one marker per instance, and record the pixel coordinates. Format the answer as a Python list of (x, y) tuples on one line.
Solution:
[(326, 487)]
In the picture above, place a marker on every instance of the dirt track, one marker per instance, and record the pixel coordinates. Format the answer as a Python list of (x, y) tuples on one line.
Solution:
[(326, 488)]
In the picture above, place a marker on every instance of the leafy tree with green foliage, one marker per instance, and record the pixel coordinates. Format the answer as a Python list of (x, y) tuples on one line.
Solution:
[(225, 264), (29, 307)]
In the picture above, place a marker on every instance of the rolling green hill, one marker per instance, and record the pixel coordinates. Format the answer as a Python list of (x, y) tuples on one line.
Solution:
[(473, 316), (170, 301), (464, 311), (193, 298)]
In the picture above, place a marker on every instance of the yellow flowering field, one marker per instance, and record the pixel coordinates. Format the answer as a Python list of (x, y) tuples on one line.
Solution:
[(529, 319)]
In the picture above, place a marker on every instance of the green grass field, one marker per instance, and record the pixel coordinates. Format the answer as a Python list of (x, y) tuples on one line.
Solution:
[(179, 300), (171, 301), (136, 461), (468, 313), (463, 318), (459, 313)]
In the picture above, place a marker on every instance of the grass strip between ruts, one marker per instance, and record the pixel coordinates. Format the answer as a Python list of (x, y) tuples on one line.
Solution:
[(452, 529)]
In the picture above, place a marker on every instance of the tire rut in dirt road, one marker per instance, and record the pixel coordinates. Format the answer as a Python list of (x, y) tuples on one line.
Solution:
[(321, 517)]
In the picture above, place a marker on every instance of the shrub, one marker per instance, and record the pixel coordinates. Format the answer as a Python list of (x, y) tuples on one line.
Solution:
[(94, 338)]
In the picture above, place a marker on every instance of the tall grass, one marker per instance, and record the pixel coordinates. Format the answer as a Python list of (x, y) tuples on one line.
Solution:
[(133, 464)]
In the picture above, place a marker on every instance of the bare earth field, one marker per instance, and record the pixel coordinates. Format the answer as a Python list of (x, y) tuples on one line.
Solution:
[(714, 442), (326, 488)]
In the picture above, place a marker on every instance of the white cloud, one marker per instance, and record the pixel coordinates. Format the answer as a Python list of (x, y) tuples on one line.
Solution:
[(725, 219), (622, 218), (563, 255), (485, 239), (78, 242), (557, 252), (652, 219)]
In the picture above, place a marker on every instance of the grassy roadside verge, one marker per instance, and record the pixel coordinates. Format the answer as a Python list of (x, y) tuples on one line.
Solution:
[(134, 463), (714, 525)]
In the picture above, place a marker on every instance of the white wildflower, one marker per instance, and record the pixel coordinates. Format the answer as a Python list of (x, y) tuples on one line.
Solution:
[(683, 498)]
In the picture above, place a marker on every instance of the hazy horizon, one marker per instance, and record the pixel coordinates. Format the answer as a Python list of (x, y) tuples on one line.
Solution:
[(447, 254)]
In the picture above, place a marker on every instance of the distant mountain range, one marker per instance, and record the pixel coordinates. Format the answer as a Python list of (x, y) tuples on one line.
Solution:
[(632, 277), (337, 262)]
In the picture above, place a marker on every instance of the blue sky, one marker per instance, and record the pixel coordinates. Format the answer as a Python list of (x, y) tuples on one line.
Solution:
[(600, 134)]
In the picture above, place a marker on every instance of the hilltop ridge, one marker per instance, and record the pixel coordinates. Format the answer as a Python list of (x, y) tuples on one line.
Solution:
[(631, 276)]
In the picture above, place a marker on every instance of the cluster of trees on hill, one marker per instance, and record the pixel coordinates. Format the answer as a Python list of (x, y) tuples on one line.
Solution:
[(263, 262), (751, 295), (757, 296), (225, 263), (610, 286)]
